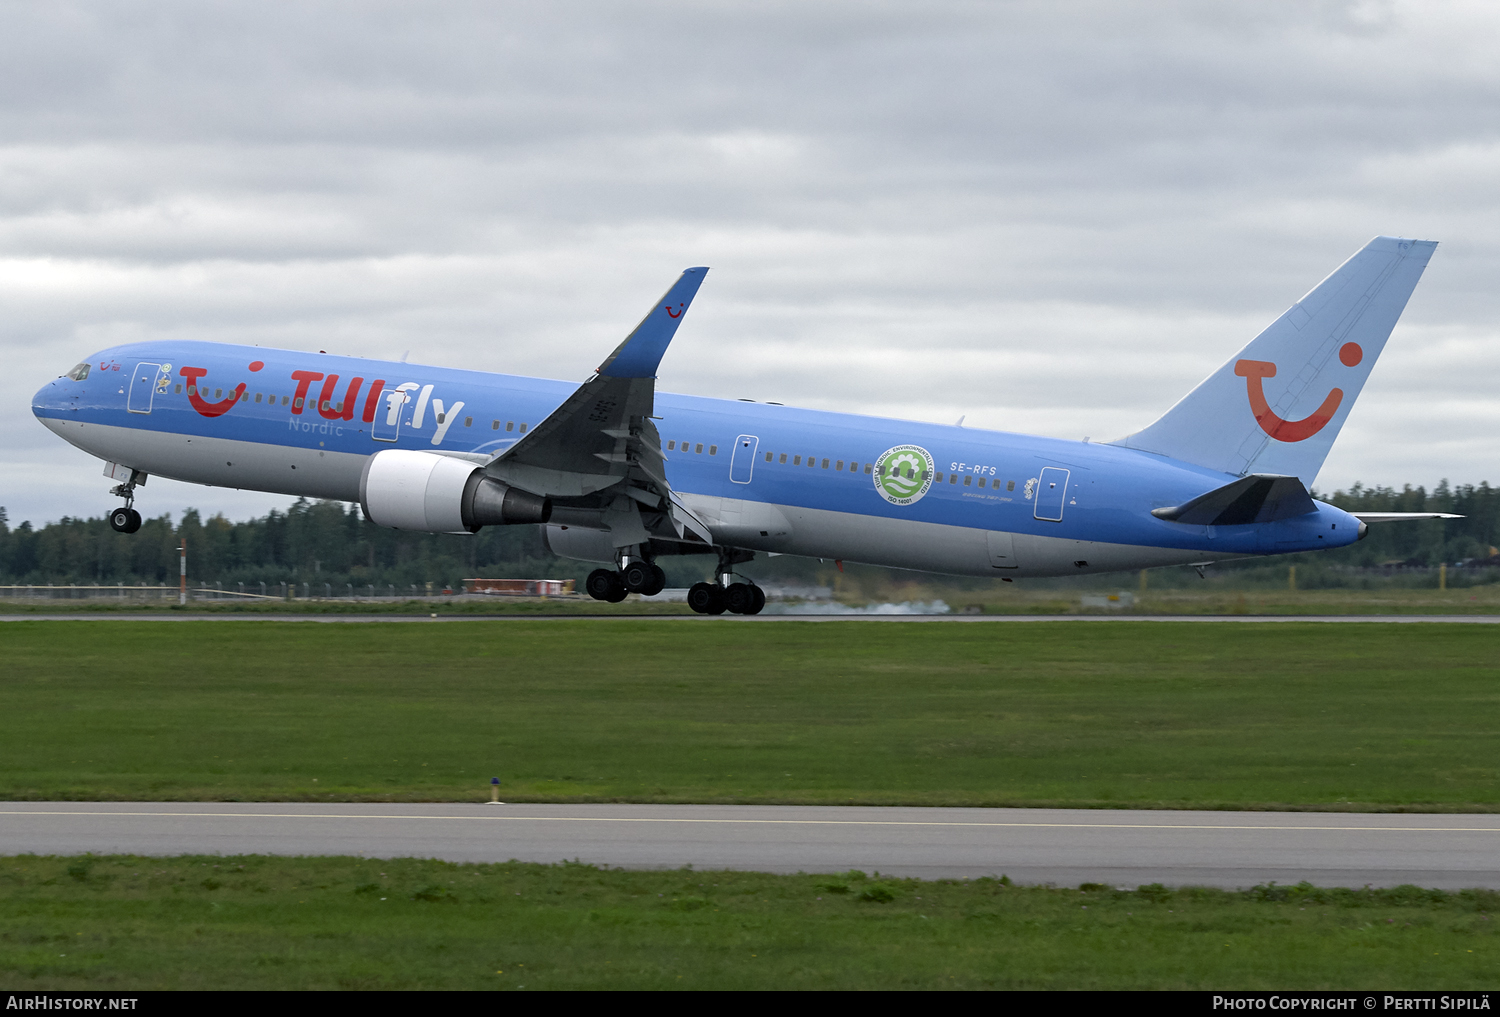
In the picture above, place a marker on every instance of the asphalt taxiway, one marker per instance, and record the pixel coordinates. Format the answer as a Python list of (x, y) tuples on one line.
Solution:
[(1059, 846)]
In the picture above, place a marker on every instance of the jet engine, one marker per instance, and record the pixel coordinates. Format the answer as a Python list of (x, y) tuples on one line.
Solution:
[(441, 494)]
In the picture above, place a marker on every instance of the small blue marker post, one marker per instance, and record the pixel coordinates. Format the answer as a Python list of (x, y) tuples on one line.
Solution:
[(495, 791)]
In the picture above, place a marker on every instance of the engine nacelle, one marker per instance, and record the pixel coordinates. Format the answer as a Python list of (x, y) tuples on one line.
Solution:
[(441, 494), (579, 543)]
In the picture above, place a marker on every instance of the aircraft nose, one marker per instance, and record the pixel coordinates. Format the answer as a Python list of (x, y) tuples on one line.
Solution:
[(47, 397)]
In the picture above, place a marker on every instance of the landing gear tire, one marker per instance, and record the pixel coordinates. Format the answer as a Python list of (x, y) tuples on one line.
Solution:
[(744, 598), (706, 598), (640, 577), (658, 582), (738, 598), (125, 520), (602, 584)]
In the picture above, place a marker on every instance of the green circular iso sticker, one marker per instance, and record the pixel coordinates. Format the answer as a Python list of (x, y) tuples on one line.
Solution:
[(903, 474)]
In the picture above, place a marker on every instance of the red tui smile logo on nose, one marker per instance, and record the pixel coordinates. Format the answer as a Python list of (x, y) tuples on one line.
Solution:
[(1255, 371)]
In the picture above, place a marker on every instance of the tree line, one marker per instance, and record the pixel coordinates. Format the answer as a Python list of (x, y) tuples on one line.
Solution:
[(332, 543)]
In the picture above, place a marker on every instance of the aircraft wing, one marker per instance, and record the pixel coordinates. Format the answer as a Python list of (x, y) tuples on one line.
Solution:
[(600, 448)]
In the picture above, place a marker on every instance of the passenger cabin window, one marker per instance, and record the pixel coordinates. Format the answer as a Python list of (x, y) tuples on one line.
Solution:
[(811, 462), (671, 446), (177, 389), (494, 425), (838, 465), (468, 421), (869, 468), (953, 478), (769, 455), (78, 373), (698, 450), (284, 400), (825, 464), (713, 450), (510, 425), (796, 460), (523, 428), (1010, 485), (783, 458), (981, 481), (968, 481), (257, 396)]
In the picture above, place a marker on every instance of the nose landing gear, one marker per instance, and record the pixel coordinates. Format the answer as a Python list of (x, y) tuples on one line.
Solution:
[(126, 519)]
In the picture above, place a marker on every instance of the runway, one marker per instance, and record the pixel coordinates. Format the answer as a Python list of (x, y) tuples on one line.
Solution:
[(729, 619), (1059, 846)]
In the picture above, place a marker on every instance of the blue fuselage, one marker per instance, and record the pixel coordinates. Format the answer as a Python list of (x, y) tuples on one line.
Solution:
[(299, 423)]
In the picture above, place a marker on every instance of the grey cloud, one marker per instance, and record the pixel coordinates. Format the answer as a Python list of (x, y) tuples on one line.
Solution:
[(1050, 217)]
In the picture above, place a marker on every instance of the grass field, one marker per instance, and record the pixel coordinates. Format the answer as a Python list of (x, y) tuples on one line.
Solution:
[(1370, 717), (254, 922)]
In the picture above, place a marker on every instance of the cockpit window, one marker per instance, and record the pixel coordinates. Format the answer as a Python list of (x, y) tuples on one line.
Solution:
[(78, 373)]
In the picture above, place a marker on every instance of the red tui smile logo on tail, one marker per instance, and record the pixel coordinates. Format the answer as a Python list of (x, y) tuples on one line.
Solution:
[(1255, 371)]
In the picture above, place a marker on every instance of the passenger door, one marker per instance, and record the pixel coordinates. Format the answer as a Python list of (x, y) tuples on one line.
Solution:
[(742, 463), (1051, 489), (142, 388), (387, 423)]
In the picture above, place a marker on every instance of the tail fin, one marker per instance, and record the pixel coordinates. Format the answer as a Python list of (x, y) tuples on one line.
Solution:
[(1277, 405)]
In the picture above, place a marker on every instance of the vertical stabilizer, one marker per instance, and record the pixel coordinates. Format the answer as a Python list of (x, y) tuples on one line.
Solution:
[(1276, 406)]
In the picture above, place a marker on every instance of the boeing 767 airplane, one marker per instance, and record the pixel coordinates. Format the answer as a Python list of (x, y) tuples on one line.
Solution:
[(619, 474)]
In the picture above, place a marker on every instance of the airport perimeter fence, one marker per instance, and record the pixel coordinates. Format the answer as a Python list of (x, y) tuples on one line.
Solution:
[(161, 593)]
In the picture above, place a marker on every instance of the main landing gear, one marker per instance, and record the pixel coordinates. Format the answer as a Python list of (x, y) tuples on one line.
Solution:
[(638, 576), (126, 519), (736, 598), (723, 595)]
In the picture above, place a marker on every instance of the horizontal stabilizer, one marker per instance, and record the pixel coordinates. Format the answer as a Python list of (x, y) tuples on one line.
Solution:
[(1258, 498), (1400, 517)]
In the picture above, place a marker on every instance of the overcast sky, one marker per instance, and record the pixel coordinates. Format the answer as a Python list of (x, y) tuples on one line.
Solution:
[(1053, 218)]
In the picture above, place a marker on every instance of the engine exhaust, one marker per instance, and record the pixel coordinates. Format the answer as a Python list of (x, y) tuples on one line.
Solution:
[(487, 502)]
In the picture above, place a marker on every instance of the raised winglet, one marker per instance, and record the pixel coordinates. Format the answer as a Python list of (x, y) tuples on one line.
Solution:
[(641, 352)]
